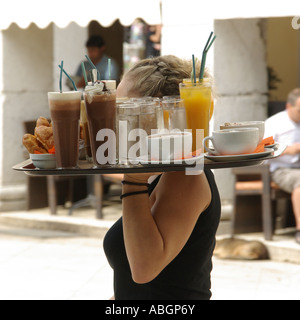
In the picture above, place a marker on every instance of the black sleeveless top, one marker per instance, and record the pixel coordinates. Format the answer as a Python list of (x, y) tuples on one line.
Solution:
[(187, 277)]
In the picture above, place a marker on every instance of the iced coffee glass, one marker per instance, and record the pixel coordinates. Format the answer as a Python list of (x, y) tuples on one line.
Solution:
[(100, 105), (65, 115)]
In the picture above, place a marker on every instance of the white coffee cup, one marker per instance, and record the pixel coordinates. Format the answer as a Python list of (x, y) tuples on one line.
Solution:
[(169, 146), (247, 124), (233, 141)]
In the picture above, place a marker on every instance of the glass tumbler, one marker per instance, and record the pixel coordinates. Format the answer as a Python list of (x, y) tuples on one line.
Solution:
[(174, 114), (127, 120)]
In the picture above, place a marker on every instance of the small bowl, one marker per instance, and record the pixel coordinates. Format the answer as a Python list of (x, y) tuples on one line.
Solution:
[(247, 124), (43, 161)]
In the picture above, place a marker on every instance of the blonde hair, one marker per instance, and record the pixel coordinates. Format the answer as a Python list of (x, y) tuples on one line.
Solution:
[(159, 76)]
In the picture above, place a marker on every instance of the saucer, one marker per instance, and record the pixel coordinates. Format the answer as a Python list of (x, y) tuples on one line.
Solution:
[(274, 145), (267, 152)]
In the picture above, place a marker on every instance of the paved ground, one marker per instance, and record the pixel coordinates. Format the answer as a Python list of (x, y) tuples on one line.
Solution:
[(45, 264)]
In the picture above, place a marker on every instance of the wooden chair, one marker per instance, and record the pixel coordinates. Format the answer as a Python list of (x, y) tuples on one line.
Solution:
[(256, 196), (255, 201)]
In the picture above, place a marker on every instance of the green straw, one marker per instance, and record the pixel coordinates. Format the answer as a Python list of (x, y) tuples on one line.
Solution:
[(60, 77), (109, 69), (84, 73), (203, 61), (194, 69), (73, 83)]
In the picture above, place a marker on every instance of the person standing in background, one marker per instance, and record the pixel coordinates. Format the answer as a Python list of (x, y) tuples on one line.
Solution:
[(96, 52), (153, 45)]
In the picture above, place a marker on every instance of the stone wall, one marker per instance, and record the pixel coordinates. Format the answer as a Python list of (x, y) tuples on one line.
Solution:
[(29, 70), (241, 79)]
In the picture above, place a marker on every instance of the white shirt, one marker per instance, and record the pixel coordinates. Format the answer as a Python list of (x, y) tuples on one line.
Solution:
[(284, 131)]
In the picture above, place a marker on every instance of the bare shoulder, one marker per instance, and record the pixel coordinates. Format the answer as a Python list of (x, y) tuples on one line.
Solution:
[(179, 182), (179, 189)]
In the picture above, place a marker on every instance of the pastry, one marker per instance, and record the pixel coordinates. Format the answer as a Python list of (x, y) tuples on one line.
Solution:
[(32, 144), (44, 135), (41, 121)]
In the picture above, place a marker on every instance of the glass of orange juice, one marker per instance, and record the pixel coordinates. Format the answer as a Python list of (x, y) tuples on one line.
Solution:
[(212, 106), (197, 99)]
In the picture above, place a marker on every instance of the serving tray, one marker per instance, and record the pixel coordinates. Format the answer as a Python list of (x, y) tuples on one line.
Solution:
[(87, 168)]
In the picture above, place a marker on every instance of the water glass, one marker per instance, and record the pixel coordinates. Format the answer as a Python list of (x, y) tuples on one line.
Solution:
[(174, 114), (127, 119), (149, 116)]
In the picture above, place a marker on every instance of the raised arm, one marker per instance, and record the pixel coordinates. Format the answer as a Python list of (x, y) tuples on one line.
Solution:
[(156, 229)]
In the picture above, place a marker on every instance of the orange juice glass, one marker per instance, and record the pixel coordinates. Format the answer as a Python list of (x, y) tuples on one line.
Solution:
[(212, 106), (197, 99)]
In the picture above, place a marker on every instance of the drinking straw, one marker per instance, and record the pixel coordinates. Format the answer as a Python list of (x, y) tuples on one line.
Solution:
[(73, 83), (84, 73), (205, 50), (194, 69), (109, 69), (60, 77), (93, 66), (90, 62)]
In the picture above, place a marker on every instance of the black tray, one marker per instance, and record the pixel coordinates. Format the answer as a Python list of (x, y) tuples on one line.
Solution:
[(86, 168)]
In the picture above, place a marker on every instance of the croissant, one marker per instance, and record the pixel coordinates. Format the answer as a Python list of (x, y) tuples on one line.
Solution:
[(41, 121), (32, 144), (44, 135)]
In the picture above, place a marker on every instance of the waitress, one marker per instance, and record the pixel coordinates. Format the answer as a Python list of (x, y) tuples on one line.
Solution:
[(162, 246)]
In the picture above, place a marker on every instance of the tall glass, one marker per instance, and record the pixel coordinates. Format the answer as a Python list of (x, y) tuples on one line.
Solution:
[(207, 80), (174, 114), (128, 119), (86, 135), (149, 116), (101, 114), (197, 100), (65, 115)]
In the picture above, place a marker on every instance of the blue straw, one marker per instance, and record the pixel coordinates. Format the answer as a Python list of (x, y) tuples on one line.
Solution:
[(93, 66), (84, 73), (90, 62), (73, 83), (60, 77)]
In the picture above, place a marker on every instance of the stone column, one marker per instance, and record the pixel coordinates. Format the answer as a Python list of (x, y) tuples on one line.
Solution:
[(241, 80), (26, 78), (69, 46)]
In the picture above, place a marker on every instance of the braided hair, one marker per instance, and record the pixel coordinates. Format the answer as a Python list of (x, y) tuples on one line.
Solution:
[(159, 76)]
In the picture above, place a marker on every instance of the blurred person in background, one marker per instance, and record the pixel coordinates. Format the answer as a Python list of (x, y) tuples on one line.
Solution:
[(153, 41), (96, 52), (285, 170)]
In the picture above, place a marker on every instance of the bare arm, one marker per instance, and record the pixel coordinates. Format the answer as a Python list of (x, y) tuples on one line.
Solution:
[(292, 149), (157, 35), (156, 229)]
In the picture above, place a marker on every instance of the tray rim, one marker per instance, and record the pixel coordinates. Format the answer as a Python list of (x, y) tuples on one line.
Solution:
[(119, 169)]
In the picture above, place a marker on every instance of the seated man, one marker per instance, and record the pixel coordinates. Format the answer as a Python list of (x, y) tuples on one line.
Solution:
[(285, 170), (96, 52)]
